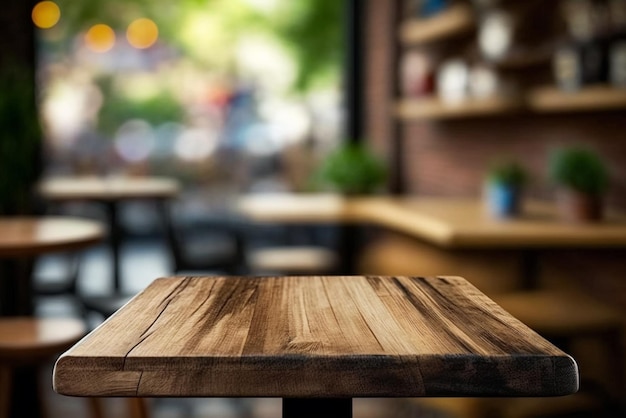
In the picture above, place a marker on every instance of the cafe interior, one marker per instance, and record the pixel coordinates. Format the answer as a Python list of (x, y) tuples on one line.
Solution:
[(472, 138)]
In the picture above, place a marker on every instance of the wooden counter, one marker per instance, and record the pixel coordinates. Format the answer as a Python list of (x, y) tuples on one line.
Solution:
[(447, 222)]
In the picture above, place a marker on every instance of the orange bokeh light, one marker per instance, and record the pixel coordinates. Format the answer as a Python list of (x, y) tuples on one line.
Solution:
[(142, 33), (46, 14), (100, 38)]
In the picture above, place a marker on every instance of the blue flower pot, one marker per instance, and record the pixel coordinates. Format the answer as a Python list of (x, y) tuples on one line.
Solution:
[(503, 200)]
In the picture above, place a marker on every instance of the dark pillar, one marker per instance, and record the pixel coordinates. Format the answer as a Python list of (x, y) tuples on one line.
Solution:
[(396, 159), (350, 235), (354, 69)]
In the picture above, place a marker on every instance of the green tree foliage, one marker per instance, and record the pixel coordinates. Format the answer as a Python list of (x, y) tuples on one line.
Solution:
[(311, 30), (116, 108)]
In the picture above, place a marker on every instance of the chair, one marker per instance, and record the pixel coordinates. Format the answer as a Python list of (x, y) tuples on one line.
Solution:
[(207, 246), (64, 285), (292, 260), (293, 249), (213, 247)]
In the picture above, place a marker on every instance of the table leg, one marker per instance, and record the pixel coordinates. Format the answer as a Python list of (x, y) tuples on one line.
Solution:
[(16, 295), (16, 299), (349, 242), (25, 395), (315, 408), (115, 242), (170, 235), (531, 269)]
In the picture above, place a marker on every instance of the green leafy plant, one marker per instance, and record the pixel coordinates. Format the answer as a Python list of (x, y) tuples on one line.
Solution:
[(507, 172), (579, 169), (351, 169), (20, 140)]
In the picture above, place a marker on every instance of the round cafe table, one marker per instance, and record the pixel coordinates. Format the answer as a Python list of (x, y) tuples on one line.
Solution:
[(25, 237), (22, 239), (110, 191)]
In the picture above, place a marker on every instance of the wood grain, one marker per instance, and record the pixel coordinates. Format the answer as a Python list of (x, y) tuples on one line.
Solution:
[(341, 336)]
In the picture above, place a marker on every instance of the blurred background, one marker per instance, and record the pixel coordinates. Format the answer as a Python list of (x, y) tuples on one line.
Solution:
[(217, 94), (403, 98)]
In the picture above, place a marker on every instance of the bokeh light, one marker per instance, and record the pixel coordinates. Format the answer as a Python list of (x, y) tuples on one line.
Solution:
[(195, 144), (142, 33), (134, 140), (100, 38), (46, 14)]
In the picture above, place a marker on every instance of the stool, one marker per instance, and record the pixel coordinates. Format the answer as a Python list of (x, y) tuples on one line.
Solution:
[(26, 341), (292, 260), (31, 342)]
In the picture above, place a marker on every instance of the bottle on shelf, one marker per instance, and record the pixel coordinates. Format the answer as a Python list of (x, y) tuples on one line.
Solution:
[(416, 75), (617, 47), (583, 59)]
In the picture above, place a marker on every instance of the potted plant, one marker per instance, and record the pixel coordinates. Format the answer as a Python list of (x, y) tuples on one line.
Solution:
[(503, 189), (582, 179), (351, 169)]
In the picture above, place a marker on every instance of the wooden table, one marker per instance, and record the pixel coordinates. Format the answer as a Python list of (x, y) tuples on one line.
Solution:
[(455, 223), (23, 237), (110, 191), (315, 341)]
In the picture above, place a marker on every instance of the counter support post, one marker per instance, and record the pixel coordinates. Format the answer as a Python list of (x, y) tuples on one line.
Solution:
[(115, 243), (315, 408)]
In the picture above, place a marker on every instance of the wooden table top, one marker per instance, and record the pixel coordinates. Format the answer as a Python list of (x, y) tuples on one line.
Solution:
[(299, 208), (108, 188), (27, 236), (448, 222), (313, 337)]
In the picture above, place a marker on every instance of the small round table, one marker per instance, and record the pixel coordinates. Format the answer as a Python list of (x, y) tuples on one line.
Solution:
[(21, 239), (25, 237), (109, 191)]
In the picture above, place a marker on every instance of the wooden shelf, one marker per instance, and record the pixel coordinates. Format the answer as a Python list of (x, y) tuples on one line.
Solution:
[(551, 99), (434, 108), (456, 19)]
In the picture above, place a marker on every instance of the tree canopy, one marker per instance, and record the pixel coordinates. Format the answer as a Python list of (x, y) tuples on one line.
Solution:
[(310, 30)]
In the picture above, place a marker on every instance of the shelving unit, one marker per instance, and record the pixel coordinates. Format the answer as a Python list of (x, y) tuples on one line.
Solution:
[(456, 20), (459, 19), (526, 68), (436, 109)]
